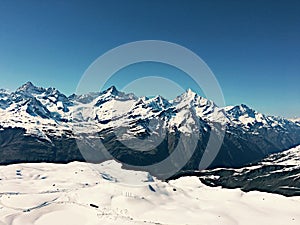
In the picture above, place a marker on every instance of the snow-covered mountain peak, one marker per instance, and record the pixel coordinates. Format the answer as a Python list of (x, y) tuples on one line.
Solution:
[(159, 101), (241, 110), (3, 91), (243, 114), (250, 118), (190, 97), (186, 98), (26, 86), (29, 89), (112, 91), (189, 94)]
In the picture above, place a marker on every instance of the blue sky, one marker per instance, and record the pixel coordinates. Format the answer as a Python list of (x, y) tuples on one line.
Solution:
[(253, 47)]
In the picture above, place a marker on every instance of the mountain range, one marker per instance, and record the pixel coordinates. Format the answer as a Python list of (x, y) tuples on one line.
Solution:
[(42, 124)]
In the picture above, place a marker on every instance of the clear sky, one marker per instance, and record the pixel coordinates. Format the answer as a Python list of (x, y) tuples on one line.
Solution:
[(253, 47)]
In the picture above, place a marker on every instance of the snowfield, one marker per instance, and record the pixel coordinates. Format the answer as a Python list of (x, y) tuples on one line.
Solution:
[(83, 194)]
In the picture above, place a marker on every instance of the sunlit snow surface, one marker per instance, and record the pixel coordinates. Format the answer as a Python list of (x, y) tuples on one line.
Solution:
[(289, 157), (81, 194)]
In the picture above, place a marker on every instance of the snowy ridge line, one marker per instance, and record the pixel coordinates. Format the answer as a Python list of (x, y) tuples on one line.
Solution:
[(47, 112)]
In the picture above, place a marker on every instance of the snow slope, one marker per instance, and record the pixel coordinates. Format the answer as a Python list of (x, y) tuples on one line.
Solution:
[(290, 157), (277, 173), (83, 194)]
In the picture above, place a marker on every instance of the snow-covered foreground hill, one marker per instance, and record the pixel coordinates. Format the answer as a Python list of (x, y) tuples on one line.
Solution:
[(277, 173), (82, 194)]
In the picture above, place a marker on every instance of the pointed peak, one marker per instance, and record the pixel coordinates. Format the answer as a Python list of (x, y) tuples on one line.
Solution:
[(111, 90), (188, 94), (115, 93), (27, 86), (244, 106), (53, 91), (159, 97), (241, 107), (240, 110), (189, 91), (160, 100), (236, 107), (30, 88)]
